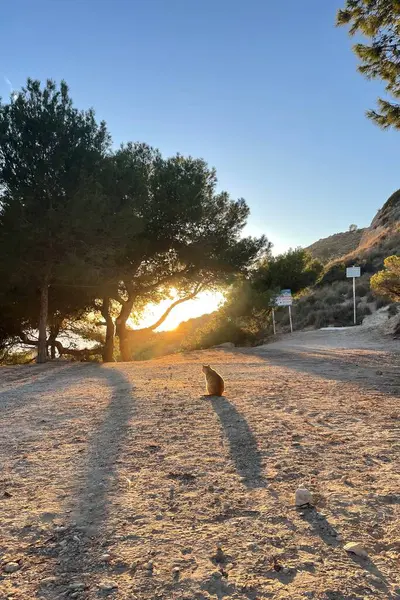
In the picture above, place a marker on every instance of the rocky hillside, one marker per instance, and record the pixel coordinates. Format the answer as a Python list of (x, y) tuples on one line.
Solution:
[(330, 302), (334, 246)]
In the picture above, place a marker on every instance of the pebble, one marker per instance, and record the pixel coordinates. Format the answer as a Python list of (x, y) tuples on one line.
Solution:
[(356, 548), (302, 497), (48, 581), (176, 572), (76, 586), (285, 570), (253, 547), (219, 555), (108, 586), (12, 567), (105, 558)]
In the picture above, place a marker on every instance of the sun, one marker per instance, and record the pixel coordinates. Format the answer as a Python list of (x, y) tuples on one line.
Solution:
[(204, 303)]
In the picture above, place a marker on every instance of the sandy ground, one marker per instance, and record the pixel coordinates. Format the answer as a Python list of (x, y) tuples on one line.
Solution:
[(120, 481)]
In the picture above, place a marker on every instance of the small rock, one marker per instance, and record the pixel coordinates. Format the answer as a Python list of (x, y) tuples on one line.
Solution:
[(108, 586), (219, 555), (285, 570), (253, 547), (77, 586), (303, 497), (216, 575), (48, 581), (12, 567), (176, 573), (7, 494), (357, 549), (105, 558), (159, 517), (133, 566)]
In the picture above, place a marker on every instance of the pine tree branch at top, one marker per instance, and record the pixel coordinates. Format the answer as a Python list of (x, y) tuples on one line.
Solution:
[(378, 21)]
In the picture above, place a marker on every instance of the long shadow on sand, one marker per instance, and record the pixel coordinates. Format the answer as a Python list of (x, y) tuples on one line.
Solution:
[(92, 489), (242, 443), (329, 365), (92, 500)]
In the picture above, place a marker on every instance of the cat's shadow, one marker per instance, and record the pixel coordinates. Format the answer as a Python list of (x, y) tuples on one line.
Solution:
[(243, 448)]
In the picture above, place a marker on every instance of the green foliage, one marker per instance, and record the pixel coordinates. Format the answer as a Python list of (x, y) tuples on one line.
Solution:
[(295, 270), (386, 283), (50, 207), (379, 22), (89, 224)]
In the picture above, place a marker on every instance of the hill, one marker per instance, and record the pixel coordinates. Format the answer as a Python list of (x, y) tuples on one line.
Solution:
[(334, 246), (330, 302)]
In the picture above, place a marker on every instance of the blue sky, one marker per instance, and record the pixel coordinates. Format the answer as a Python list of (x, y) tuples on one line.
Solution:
[(265, 91)]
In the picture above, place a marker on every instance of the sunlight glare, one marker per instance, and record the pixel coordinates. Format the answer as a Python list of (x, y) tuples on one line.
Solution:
[(205, 303)]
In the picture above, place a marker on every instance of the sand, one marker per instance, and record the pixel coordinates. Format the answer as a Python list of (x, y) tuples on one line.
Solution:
[(121, 481)]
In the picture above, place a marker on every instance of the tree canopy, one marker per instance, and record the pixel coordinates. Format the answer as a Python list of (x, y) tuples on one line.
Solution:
[(50, 217), (386, 283), (379, 22), (87, 228)]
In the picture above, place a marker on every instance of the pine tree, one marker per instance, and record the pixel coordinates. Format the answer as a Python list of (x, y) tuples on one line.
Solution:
[(50, 157), (379, 22)]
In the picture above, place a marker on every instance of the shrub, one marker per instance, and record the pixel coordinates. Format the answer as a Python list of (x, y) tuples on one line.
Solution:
[(381, 302), (362, 289)]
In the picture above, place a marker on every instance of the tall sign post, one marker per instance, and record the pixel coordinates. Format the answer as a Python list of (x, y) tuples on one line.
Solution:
[(285, 299), (354, 272), (273, 320)]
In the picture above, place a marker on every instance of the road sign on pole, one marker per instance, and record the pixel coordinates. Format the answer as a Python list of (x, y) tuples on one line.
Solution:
[(353, 272), (284, 298)]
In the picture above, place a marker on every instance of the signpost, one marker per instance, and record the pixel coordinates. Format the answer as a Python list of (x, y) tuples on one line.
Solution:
[(284, 299), (353, 272)]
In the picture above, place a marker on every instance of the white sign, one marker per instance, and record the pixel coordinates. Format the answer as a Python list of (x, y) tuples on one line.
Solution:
[(353, 272), (284, 298)]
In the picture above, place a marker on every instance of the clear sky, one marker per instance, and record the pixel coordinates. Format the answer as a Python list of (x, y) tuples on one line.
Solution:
[(264, 90)]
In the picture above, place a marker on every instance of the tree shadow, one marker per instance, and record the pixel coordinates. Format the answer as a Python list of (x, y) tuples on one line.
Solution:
[(242, 442), (26, 391), (321, 527), (338, 367), (74, 544), (90, 503)]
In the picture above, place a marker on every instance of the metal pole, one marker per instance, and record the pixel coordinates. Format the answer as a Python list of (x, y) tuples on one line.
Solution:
[(354, 300), (290, 318), (273, 321)]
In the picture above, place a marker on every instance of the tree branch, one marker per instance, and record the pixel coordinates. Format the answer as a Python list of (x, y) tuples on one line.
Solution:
[(161, 320), (84, 353)]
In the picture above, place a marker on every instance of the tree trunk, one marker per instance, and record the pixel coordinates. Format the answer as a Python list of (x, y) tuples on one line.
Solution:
[(121, 330), (54, 331), (108, 350), (44, 309)]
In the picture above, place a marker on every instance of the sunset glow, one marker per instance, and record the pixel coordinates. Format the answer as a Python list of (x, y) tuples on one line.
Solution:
[(205, 303)]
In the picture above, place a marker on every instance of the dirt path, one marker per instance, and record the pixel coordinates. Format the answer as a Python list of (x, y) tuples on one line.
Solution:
[(120, 481)]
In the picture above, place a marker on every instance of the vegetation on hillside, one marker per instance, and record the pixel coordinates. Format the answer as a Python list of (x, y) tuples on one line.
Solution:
[(387, 282)]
